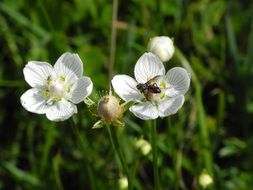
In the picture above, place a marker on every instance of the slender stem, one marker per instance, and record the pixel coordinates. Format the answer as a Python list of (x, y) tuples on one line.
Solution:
[(11, 83), (49, 141), (115, 143), (113, 38), (154, 152), (83, 147), (204, 133), (44, 12), (56, 170)]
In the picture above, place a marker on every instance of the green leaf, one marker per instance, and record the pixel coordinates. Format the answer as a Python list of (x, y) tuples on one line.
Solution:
[(21, 175)]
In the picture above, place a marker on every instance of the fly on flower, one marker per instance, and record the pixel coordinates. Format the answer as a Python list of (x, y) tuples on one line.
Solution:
[(155, 93), (149, 87), (56, 89)]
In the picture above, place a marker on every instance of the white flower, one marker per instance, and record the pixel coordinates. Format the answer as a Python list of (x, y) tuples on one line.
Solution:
[(163, 94), (55, 90), (162, 46)]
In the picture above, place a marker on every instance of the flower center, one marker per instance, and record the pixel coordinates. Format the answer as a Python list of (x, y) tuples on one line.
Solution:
[(57, 88), (152, 95)]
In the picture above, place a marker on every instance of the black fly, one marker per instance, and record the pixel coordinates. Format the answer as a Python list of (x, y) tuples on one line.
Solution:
[(149, 87)]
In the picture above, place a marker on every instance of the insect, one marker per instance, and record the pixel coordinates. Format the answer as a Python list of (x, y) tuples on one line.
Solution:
[(150, 86)]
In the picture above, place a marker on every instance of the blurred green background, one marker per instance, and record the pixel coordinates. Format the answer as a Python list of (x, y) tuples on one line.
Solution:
[(212, 132)]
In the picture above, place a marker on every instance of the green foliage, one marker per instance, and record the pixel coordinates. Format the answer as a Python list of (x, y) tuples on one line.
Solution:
[(213, 131)]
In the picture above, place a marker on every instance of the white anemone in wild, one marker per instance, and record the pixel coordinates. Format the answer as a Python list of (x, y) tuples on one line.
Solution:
[(56, 89), (155, 93)]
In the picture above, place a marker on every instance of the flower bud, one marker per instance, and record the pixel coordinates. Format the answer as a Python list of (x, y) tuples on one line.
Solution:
[(162, 47), (144, 146), (123, 183), (109, 108), (205, 180)]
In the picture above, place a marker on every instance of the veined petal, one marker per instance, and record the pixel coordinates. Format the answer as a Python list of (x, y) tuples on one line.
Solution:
[(69, 65), (170, 106), (37, 73), (34, 101), (81, 89), (178, 81), (61, 110), (125, 87), (144, 111), (147, 67)]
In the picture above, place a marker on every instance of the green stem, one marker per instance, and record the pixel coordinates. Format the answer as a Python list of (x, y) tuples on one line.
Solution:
[(83, 147), (115, 143), (154, 152), (44, 12), (113, 38), (49, 141), (204, 133), (11, 83)]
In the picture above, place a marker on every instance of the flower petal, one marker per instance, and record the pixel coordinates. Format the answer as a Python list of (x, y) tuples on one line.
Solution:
[(147, 67), (125, 87), (34, 101), (170, 106), (61, 110), (81, 90), (69, 65), (36, 73), (178, 81), (144, 111)]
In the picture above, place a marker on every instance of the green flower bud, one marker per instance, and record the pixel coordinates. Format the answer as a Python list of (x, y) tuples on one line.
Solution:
[(205, 180), (109, 108)]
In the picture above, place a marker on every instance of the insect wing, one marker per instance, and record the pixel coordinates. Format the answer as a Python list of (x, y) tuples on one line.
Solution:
[(154, 80)]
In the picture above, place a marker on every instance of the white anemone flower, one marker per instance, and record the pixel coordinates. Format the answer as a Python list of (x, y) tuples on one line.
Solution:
[(158, 94), (56, 89)]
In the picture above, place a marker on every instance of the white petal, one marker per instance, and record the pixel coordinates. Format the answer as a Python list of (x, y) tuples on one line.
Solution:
[(170, 106), (178, 81), (69, 65), (147, 67), (34, 101), (36, 73), (61, 111), (81, 90), (144, 111), (125, 87)]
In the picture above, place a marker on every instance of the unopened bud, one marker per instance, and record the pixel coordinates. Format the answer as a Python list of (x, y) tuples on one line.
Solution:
[(205, 180), (123, 183), (162, 47), (109, 108), (143, 145)]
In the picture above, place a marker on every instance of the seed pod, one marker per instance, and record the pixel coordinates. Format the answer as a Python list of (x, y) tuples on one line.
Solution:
[(109, 108)]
